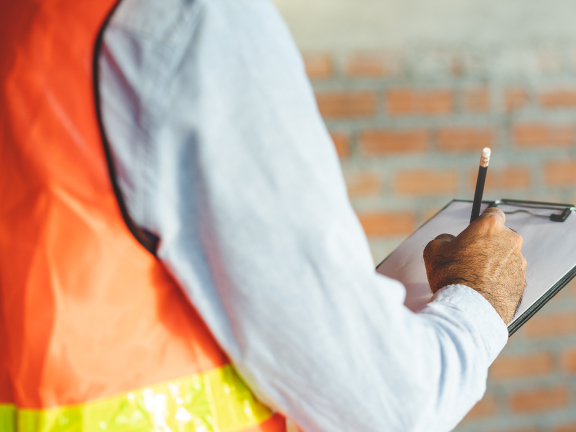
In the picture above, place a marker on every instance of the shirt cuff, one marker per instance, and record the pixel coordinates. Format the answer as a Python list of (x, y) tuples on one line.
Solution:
[(480, 313)]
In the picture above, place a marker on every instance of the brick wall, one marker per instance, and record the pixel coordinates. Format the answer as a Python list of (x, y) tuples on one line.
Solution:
[(409, 126)]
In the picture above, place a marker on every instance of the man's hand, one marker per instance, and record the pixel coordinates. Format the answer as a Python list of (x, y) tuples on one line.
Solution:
[(486, 256)]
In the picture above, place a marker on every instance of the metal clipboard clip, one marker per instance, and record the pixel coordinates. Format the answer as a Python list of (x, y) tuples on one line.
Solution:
[(560, 211)]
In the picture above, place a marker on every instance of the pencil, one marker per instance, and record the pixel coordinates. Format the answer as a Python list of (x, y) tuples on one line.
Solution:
[(484, 161)]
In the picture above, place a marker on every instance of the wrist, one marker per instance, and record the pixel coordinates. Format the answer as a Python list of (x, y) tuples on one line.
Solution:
[(477, 312)]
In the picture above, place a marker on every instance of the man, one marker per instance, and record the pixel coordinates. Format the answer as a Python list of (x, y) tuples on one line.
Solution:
[(225, 172)]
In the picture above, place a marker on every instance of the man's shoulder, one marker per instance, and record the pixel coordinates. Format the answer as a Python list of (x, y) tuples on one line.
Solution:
[(164, 20), (160, 20)]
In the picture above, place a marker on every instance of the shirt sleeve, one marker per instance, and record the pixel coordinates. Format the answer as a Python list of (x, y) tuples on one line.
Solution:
[(221, 153)]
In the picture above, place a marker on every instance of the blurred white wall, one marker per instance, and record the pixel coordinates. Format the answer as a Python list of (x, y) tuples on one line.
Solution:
[(352, 25)]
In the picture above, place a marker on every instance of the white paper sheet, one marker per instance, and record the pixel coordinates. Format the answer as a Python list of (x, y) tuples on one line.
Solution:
[(549, 248)]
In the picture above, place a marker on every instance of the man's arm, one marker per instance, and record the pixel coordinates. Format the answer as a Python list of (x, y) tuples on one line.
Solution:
[(221, 152)]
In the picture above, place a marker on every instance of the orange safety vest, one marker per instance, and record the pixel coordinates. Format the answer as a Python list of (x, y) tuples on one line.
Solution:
[(94, 334)]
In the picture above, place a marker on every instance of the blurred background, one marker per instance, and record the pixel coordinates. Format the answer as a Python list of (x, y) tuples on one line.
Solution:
[(411, 91)]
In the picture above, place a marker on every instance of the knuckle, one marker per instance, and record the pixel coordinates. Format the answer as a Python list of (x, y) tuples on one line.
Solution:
[(494, 210), (492, 224), (518, 240), (494, 213)]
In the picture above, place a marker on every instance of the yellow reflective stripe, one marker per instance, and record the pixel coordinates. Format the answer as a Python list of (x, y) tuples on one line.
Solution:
[(215, 401), (7, 418)]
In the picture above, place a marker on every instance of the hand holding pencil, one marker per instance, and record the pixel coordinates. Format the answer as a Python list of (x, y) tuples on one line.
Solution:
[(486, 256)]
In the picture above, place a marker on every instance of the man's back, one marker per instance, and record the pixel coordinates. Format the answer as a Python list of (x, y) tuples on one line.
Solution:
[(95, 333)]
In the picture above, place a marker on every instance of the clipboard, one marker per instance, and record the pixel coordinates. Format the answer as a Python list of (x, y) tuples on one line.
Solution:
[(549, 233)]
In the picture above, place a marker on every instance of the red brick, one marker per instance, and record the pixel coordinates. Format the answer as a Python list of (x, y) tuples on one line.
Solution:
[(565, 428), (381, 224), (565, 98), (347, 104), (551, 325), (515, 99), (508, 178), (342, 144), (515, 366), (539, 400), (485, 408), (513, 178), (569, 360), (370, 66), (560, 173), (438, 102), (318, 66), (477, 100), (465, 138), (378, 142), (363, 184), (541, 135), (425, 182), (429, 102)]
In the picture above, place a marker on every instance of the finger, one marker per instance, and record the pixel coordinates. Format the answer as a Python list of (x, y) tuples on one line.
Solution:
[(445, 238), (494, 212), (434, 246)]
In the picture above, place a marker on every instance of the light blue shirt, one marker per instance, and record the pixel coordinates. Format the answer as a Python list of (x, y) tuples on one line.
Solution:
[(221, 152)]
